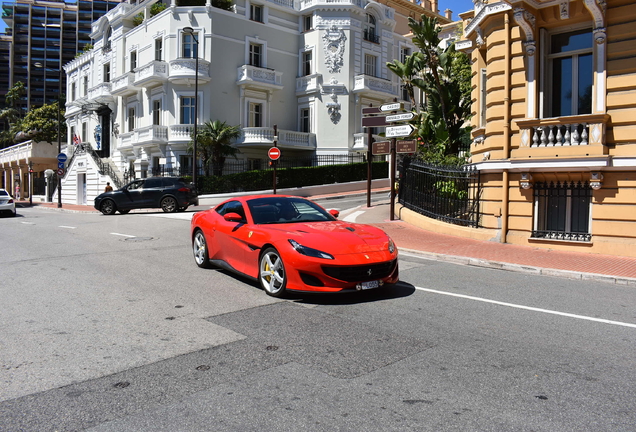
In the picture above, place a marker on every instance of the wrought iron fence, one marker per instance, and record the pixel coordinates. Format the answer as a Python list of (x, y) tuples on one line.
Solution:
[(232, 166), (449, 194)]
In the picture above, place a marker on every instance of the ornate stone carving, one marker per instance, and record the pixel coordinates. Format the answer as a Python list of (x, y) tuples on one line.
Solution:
[(334, 45), (333, 108), (526, 21)]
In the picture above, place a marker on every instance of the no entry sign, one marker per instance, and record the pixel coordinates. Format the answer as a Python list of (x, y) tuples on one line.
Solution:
[(273, 153)]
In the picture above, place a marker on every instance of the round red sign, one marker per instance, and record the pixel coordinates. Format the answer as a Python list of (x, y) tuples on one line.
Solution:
[(273, 153)]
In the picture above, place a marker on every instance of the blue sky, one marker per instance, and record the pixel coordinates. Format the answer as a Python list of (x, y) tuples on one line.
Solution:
[(457, 6)]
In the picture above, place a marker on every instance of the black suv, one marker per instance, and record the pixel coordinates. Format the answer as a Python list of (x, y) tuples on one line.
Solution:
[(170, 193)]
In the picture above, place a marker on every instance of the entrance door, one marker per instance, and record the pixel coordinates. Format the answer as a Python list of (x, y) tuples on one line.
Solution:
[(81, 189)]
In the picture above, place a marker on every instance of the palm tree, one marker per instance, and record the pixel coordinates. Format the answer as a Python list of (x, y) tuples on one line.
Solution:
[(214, 144)]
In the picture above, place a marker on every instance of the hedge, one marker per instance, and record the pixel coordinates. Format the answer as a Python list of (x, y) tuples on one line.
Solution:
[(291, 177)]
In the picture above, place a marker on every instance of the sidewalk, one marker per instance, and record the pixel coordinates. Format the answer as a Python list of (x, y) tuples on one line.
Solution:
[(460, 250)]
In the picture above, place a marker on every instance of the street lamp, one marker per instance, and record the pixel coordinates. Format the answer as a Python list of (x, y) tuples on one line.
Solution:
[(190, 31)]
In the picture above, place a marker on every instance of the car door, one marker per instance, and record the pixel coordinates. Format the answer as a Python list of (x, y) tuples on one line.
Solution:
[(130, 195), (151, 192), (232, 236)]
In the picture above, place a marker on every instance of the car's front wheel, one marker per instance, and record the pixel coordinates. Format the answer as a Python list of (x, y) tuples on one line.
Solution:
[(108, 207), (200, 249), (272, 273), (169, 205)]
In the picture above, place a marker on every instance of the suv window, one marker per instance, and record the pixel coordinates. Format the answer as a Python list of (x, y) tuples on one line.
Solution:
[(153, 182), (137, 184)]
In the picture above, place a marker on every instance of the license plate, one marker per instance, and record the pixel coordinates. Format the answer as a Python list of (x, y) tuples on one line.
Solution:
[(370, 284)]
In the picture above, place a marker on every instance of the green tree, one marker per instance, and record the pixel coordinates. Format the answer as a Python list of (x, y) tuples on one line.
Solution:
[(40, 124), (12, 114), (443, 74), (214, 145)]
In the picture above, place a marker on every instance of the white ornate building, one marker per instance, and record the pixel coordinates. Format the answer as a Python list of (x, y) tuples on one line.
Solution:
[(306, 66)]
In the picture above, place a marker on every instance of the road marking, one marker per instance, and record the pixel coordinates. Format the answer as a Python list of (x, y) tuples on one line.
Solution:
[(28, 223), (533, 309), (64, 226), (124, 235), (353, 216)]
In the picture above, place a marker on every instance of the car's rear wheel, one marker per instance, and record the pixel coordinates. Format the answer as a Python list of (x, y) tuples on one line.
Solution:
[(200, 249), (108, 207), (272, 273), (169, 205)]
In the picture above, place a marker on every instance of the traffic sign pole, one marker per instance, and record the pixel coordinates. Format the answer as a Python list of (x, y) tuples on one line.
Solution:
[(277, 155)]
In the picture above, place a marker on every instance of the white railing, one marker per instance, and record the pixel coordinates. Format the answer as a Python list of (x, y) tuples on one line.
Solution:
[(100, 92), (181, 132), (269, 77), (265, 135), (370, 83), (569, 131), (153, 71), (308, 83), (152, 134), (123, 83)]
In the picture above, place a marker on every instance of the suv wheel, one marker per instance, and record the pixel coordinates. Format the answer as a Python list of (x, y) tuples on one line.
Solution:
[(169, 204)]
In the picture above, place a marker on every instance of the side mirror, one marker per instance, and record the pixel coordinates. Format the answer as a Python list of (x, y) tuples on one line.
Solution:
[(232, 217), (335, 213)]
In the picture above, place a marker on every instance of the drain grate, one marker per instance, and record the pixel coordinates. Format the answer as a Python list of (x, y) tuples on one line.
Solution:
[(138, 239)]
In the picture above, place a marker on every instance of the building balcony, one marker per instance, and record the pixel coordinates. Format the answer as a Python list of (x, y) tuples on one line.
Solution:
[(183, 71), (259, 78), (27, 151), (361, 141), (264, 137), (574, 136), (308, 84), (154, 134), (376, 87), (153, 74), (101, 93), (124, 85), (180, 133)]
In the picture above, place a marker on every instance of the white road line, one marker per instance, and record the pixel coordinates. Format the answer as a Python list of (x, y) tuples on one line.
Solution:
[(64, 226), (353, 216), (28, 223), (533, 309), (124, 235)]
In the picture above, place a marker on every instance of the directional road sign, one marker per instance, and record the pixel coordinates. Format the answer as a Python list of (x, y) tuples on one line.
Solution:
[(60, 165), (399, 117), (396, 106), (405, 146), (61, 157), (399, 131)]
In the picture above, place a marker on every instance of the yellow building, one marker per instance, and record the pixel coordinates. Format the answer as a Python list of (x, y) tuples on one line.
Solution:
[(554, 122)]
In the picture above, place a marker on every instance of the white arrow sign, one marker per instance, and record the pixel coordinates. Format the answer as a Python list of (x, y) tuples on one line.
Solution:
[(399, 117), (399, 131), (391, 107)]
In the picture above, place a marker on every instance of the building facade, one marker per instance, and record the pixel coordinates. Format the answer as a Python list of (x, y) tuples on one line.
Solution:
[(307, 67), (554, 122)]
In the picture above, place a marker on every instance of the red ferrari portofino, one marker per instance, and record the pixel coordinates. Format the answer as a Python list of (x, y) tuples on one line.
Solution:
[(291, 243)]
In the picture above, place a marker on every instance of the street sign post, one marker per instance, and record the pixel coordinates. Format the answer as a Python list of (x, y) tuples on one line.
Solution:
[(399, 131)]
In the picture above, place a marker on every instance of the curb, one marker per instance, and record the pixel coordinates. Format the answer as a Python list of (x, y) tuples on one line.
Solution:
[(522, 268)]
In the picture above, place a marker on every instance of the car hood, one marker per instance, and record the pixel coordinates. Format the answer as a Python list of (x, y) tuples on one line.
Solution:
[(337, 237)]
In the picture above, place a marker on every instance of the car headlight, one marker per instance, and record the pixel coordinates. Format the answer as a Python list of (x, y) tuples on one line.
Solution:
[(304, 250), (391, 246)]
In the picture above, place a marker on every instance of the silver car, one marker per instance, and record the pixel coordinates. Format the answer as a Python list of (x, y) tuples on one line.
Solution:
[(7, 203)]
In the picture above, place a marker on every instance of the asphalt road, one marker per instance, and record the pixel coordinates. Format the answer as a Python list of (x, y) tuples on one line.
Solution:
[(108, 325)]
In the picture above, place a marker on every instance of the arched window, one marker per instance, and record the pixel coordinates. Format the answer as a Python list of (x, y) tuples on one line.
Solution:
[(370, 30)]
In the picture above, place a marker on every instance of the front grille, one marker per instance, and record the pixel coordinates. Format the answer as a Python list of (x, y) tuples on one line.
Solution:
[(360, 273)]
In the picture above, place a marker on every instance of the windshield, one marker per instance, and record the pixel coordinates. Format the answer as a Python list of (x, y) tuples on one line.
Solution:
[(277, 210)]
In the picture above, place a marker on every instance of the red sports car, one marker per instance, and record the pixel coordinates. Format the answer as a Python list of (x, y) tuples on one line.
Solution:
[(291, 243)]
